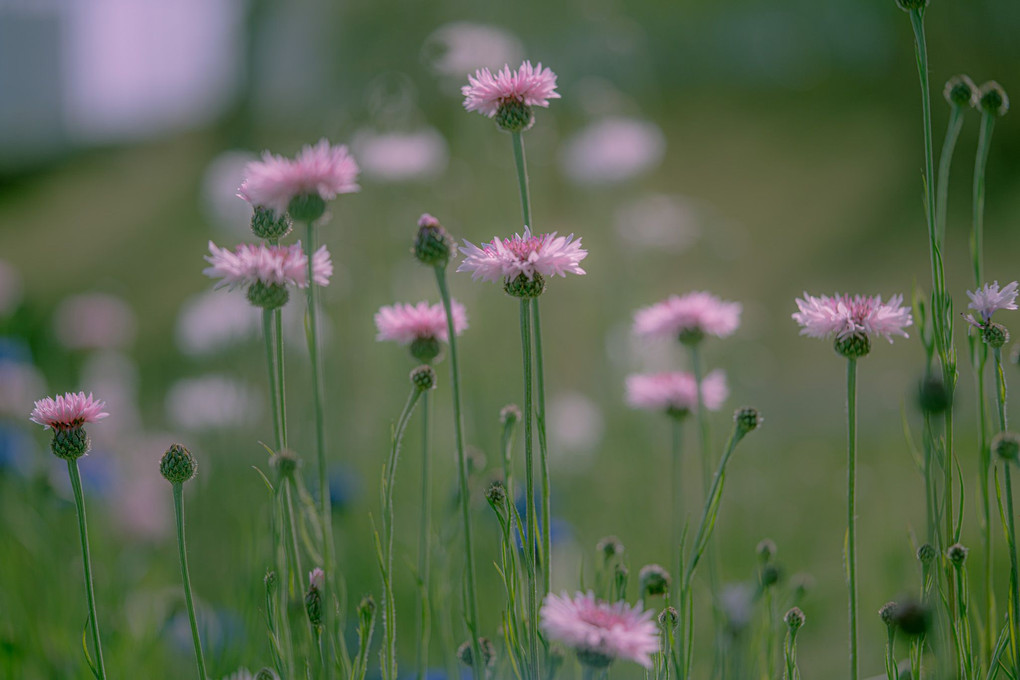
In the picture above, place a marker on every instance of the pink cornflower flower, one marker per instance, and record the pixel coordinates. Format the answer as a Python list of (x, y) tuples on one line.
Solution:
[(529, 85), (405, 323), (316, 578), (676, 393), (988, 299), (600, 632), (842, 316), (529, 257), (267, 264), (69, 411), (323, 170), (688, 317)]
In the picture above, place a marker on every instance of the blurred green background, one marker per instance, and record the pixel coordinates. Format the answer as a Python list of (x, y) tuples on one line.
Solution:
[(756, 150)]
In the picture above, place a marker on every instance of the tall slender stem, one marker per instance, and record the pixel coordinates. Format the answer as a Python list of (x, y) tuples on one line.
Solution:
[(79, 502), (1000, 391), (542, 451), (851, 518), (1014, 575), (676, 519), (978, 196), (532, 549), (462, 477), (318, 400), (280, 375), (185, 575), (945, 162), (522, 177), (425, 543), (267, 334)]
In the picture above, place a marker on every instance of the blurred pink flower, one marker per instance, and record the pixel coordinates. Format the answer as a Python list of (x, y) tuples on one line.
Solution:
[(676, 391), (842, 315), (988, 299), (316, 578), (280, 265), (505, 259), (599, 631), (531, 85), (322, 169), (405, 323), (71, 410), (694, 314), (94, 321)]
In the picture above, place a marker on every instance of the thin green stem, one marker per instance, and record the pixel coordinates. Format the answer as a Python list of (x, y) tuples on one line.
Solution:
[(676, 494), (522, 177), (281, 383), (267, 334), (1000, 392), (389, 654), (790, 655), (945, 163), (532, 548), (978, 196), (1014, 575), (542, 451), (79, 502), (462, 476), (851, 542), (318, 401), (425, 543), (891, 669), (185, 575)]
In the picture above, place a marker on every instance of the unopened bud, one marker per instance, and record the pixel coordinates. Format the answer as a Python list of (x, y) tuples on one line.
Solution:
[(306, 207), (927, 553), (1006, 445), (770, 575), (70, 443), (423, 377), (524, 287), (267, 674), (961, 91), (366, 610), (669, 619), (510, 415), (766, 549), (286, 462), (912, 617), (957, 554), (747, 419), (432, 244), (794, 619), (466, 655), (514, 115), (609, 547), (993, 99), (654, 580), (177, 465), (853, 345), (313, 596), (887, 613), (268, 295), (995, 335), (933, 396), (266, 224), (496, 494)]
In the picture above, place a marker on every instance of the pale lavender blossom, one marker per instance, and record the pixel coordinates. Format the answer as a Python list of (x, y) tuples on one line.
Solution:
[(599, 631), (397, 156), (843, 316), (324, 170), (613, 150), (316, 578), (506, 259), (268, 264), (68, 411), (988, 299), (405, 323), (529, 85), (693, 316), (94, 321), (676, 392)]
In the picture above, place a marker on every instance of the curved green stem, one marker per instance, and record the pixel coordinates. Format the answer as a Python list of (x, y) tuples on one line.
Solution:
[(185, 575), (462, 476), (90, 594), (851, 543), (425, 543), (945, 162), (978, 196)]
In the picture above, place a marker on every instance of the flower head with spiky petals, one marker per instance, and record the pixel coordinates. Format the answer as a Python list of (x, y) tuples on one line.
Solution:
[(527, 255), (324, 170), (676, 392), (405, 323), (267, 264), (598, 631), (690, 316), (68, 411), (988, 299), (843, 316), (528, 85)]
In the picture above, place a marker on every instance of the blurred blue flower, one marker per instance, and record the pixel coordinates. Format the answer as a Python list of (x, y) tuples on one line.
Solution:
[(344, 486), (16, 447), (15, 349)]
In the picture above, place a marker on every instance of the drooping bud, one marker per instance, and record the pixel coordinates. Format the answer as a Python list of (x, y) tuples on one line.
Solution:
[(933, 395), (307, 207), (747, 419), (995, 335), (609, 547), (432, 244), (423, 377), (654, 580), (286, 462), (313, 596), (425, 350), (510, 415), (887, 613), (853, 345), (266, 224), (268, 295), (514, 115), (177, 465), (961, 91), (794, 619), (765, 549), (669, 619), (993, 99), (957, 554), (1006, 445), (70, 443), (525, 288)]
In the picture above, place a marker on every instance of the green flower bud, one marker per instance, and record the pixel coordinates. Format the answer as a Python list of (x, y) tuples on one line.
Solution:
[(268, 295), (794, 619), (267, 674), (286, 462), (433, 246), (609, 547), (525, 288), (496, 494), (887, 613), (425, 350), (961, 91), (853, 346), (927, 553), (70, 443), (993, 99), (995, 335), (654, 580), (464, 653), (957, 554), (747, 419), (423, 377), (307, 207), (669, 619), (933, 395), (514, 115), (177, 465), (266, 224), (1006, 446)]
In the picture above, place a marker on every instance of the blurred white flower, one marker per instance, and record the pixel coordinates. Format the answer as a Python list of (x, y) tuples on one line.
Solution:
[(400, 156), (658, 222), (212, 321), (94, 321), (20, 385), (220, 182), (460, 47), (212, 402), (576, 426), (612, 150), (11, 289), (140, 507)]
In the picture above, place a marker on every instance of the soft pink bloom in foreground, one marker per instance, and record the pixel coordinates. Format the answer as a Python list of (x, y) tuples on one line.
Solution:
[(842, 315), (322, 169), (71, 410), (697, 312), (615, 631), (676, 391), (406, 323), (281, 265), (988, 299), (505, 259), (532, 85), (316, 578)]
